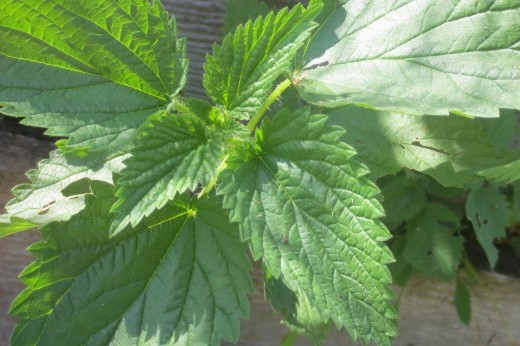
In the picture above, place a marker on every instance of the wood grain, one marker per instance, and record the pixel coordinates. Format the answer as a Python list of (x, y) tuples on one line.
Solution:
[(18, 154)]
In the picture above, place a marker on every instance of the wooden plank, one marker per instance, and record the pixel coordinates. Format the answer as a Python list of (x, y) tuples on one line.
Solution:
[(18, 154)]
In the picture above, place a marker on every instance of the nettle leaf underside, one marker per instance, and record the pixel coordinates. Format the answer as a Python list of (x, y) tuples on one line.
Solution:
[(418, 57), (302, 204), (45, 200), (97, 79), (87, 288), (453, 150)]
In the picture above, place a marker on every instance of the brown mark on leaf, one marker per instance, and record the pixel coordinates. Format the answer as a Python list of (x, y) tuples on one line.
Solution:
[(46, 208)]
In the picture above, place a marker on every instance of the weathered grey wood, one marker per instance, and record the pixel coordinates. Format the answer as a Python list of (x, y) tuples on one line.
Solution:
[(427, 313), (18, 154), (200, 22)]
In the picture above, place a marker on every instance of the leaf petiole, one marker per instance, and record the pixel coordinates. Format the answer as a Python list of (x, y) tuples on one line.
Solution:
[(268, 102)]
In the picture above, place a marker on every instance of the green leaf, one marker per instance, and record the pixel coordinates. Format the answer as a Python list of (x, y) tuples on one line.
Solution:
[(463, 302), (503, 131), (488, 211), (417, 57), (433, 244), (240, 11), (290, 338), (174, 153), (403, 199), (298, 312), (244, 67), (88, 70), (450, 149), (303, 204), (400, 269), (44, 201), (435, 190), (182, 280), (328, 7), (515, 203), (505, 173), (12, 224)]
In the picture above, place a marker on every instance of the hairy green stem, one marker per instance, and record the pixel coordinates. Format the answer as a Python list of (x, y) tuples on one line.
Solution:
[(265, 106), (250, 126), (473, 275), (206, 190)]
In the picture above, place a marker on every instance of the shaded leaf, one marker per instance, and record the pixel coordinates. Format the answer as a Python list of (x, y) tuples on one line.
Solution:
[(450, 149), (403, 199), (401, 270), (463, 302), (433, 245), (505, 173), (488, 211), (298, 312), (504, 132)]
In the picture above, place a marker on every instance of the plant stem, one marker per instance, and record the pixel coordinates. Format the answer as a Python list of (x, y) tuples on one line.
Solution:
[(265, 106), (250, 126), (213, 181), (473, 275)]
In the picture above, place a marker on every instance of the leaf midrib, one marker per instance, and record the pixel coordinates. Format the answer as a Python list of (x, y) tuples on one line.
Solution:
[(350, 33), (94, 71), (330, 189), (77, 15), (300, 210), (118, 243)]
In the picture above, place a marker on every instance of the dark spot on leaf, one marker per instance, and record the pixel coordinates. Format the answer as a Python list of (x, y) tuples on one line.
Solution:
[(437, 150), (479, 224), (455, 234), (321, 64), (485, 221), (429, 253), (45, 208)]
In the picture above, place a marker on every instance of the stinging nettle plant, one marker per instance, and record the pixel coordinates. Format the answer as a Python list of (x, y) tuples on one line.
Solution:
[(149, 204)]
